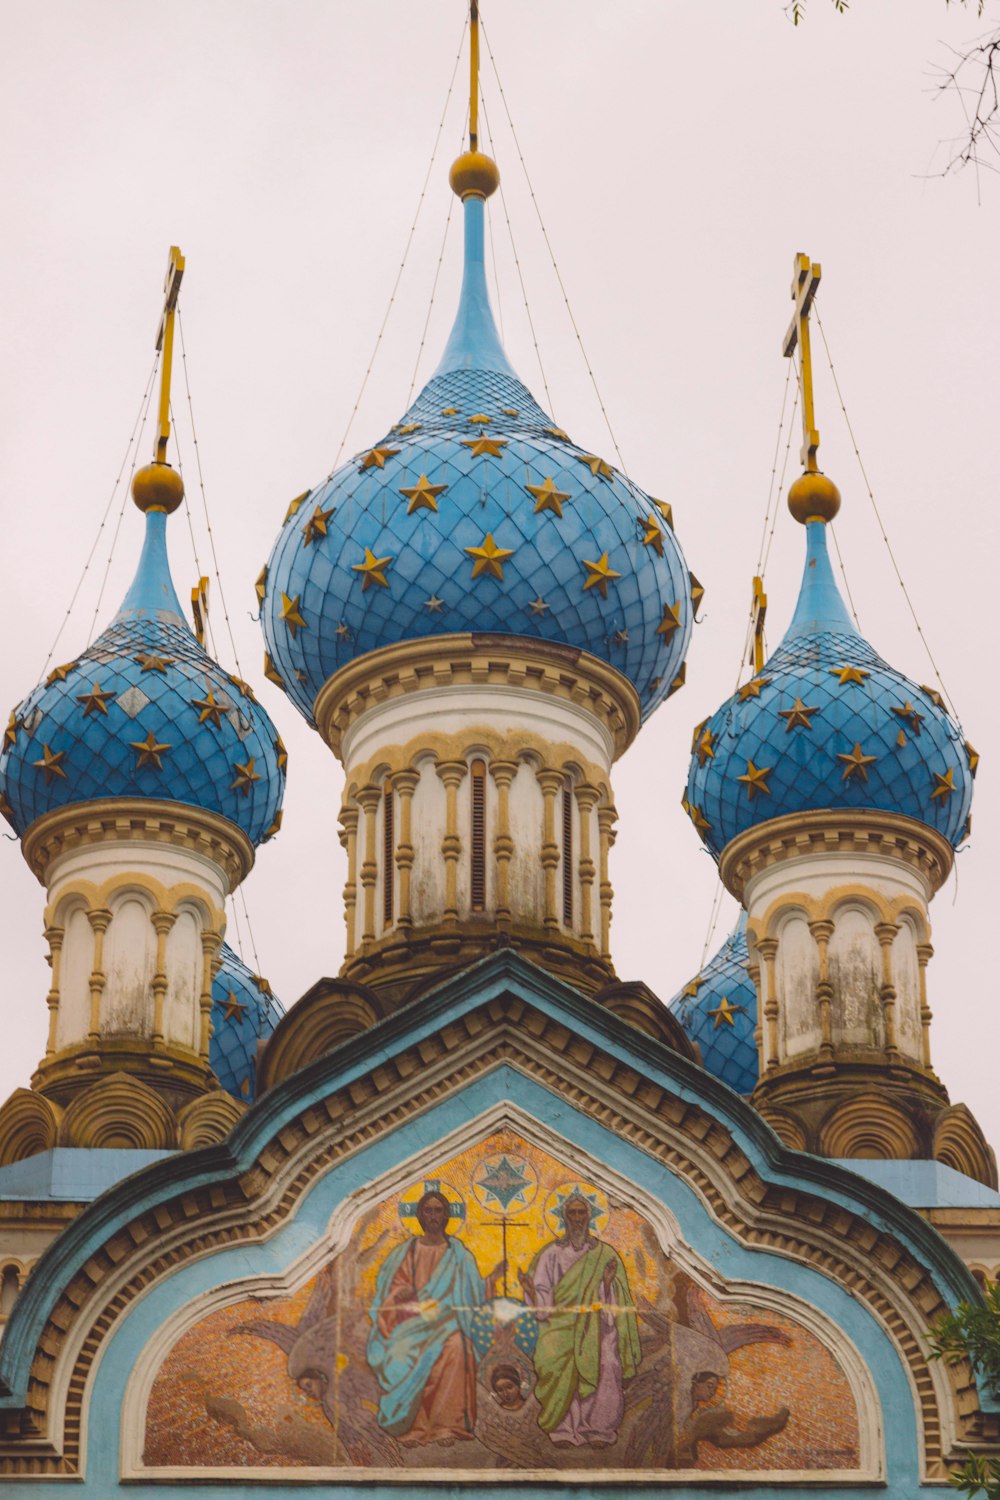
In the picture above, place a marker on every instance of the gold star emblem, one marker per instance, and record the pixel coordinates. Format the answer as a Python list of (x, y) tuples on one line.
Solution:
[(488, 558), (295, 506), (537, 605), (697, 592), (599, 574), (697, 817), (690, 991), (372, 570), (50, 763), (856, 764), (410, 427), (233, 1010), (209, 711), (244, 688), (755, 780), (620, 637), (263, 985), (508, 411), (973, 757), (909, 713), (935, 697), (752, 688), (557, 432), (666, 511), (316, 525), (59, 674), (653, 685), (343, 632), (671, 619), (10, 733), (275, 825), (423, 495), (271, 672), (292, 615), (724, 1013), (704, 746), (434, 604), (844, 675), (281, 753), (245, 776), (480, 417), (652, 536), (943, 785), (547, 497), (597, 466), (260, 587), (375, 458), (150, 752), (449, 411), (154, 663), (678, 681), (900, 739), (798, 716), (484, 447)]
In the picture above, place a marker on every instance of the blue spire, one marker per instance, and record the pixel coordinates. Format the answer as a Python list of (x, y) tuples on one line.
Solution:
[(474, 343), (152, 592), (820, 609)]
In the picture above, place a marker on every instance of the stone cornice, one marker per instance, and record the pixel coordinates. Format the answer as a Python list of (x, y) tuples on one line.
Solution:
[(478, 660), (865, 831), (121, 819)]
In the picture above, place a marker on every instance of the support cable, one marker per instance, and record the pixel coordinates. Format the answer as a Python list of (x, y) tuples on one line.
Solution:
[(712, 921), (552, 257), (434, 286), (881, 524)]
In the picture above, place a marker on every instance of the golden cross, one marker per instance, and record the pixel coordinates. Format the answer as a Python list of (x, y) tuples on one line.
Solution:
[(805, 282), (199, 608), (473, 75), (758, 613), (165, 343)]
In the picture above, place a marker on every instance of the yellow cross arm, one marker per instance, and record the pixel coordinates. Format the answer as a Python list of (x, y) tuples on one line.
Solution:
[(165, 345)]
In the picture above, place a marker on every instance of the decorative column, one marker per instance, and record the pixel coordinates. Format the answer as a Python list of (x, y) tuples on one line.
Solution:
[(767, 948), (405, 784), (162, 923), (925, 953), (753, 969), (586, 801), (886, 932), (503, 773), (822, 932), (452, 773), (349, 841), (369, 798), (551, 783), (100, 921), (54, 937), (606, 819), (211, 962)]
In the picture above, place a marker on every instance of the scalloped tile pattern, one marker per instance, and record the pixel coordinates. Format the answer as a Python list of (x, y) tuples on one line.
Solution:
[(728, 1050), (239, 1027)]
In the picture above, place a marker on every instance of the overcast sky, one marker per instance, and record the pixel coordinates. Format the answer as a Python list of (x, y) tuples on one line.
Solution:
[(680, 153)]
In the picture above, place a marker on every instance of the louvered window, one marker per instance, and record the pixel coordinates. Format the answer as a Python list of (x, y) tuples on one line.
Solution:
[(567, 856), (477, 773), (388, 854)]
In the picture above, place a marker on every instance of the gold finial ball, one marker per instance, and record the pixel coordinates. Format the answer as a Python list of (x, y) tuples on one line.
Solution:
[(474, 174), (157, 487), (813, 497)]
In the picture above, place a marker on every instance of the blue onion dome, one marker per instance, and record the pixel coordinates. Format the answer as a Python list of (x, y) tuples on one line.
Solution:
[(718, 1010), (827, 724), (476, 513), (244, 1012), (145, 712)]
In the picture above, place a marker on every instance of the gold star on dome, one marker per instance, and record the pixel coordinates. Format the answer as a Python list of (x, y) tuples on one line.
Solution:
[(973, 758), (697, 817), (597, 466), (484, 447), (480, 417), (671, 619), (260, 587), (316, 525), (690, 991), (295, 506), (599, 574), (275, 825), (704, 746), (10, 733), (678, 681), (232, 1009), (209, 711), (281, 753), (343, 631), (422, 495), (149, 751), (434, 605), (752, 688), (547, 497), (666, 511), (755, 780), (372, 570), (697, 592), (154, 663), (488, 558), (50, 763), (263, 985), (724, 1013), (449, 411), (909, 713), (292, 615), (271, 672), (537, 605), (798, 716), (620, 637), (410, 427), (508, 411), (943, 785), (375, 458), (652, 536), (557, 432), (59, 674), (935, 697), (844, 675), (900, 739), (245, 776), (856, 764), (244, 688)]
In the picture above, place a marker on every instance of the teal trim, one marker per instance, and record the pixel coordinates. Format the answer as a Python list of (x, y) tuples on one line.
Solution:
[(924, 1184), (71, 1174)]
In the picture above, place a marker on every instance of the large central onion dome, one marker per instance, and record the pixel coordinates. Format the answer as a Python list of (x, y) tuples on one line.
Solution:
[(476, 513), (827, 723), (145, 712)]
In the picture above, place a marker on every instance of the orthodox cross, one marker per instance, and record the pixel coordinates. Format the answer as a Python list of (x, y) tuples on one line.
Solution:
[(165, 346), (473, 75), (805, 282), (758, 613), (503, 1226), (199, 609)]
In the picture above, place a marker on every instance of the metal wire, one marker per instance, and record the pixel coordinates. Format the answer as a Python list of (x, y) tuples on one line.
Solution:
[(434, 287)]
